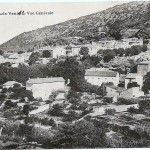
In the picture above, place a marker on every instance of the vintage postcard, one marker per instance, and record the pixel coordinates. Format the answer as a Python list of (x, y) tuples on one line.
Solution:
[(75, 75)]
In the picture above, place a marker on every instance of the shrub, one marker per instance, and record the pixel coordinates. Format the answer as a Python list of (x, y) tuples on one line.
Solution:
[(4, 90), (84, 51), (56, 110), (123, 101), (72, 115), (133, 110), (108, 100), (2, 96), (9, 104), (110, 111)]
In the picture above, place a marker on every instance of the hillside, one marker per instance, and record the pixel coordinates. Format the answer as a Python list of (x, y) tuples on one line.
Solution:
[(131, 15)]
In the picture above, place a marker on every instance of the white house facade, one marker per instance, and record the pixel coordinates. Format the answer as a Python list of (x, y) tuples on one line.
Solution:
[(97, 76), (43, 87), (134, 77)]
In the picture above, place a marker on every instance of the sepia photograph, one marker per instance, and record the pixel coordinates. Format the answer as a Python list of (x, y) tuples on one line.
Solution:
[(75, 75)]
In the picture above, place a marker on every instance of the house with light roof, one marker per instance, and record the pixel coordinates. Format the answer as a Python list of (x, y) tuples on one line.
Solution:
[(97, 76), (43, 87), (143, 67), (10, 84), (134, 77)]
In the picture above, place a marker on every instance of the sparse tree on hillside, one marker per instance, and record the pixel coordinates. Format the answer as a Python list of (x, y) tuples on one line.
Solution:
[(84, 51), (33, 58), (46, 54), (1, 52)]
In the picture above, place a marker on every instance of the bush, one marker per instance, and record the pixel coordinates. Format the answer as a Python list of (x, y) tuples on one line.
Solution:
[(9, 104), (72, 115), (123, 101), (108, 100), (84, 51), (2, 96), (133, 110), (110, 111), (57, 110), (144, 105)]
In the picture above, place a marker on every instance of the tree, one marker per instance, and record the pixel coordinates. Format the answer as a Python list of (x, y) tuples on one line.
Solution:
[(57, 110), (71, 116), (115, 29), (144, 48), (9, 104), (135, 50), (74, 98), (110, 111), (26, 109), (84, 51), (33, 58), (20, 52), (46, 54), (1, 52), (146, 84), (144, 105), (82, 134), (109, 55)]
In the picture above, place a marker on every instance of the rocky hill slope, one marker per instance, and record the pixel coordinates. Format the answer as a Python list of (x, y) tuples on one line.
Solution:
[(131, 15)]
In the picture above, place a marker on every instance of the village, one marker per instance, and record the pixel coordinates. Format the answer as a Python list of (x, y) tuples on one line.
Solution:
[(105, 82)]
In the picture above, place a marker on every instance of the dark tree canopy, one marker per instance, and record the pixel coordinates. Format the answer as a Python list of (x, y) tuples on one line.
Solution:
[(46, 54), (84, 51)]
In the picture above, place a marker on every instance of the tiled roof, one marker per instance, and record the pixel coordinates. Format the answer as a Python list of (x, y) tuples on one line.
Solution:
[(9, 83), (132, 75), (144, 63), (118, 89), (101, 73), (45, 80)]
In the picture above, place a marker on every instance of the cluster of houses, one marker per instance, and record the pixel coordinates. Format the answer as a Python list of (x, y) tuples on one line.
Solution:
[(70, 50), (44, 87), (94, 47), (97, 76), (14, 58)]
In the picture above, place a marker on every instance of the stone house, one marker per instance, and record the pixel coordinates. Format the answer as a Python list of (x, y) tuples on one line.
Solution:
[(134, 77), (97, 76), (43, 87), (143, 68)]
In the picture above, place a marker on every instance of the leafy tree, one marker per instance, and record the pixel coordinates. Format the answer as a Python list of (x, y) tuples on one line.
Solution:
[(74, 98), (109, 55), (108, 100), (20, 52), (1, 52), (84, 51), (71, 116), (46, 54), (33, 58), (135, 50), (57, 110), (146, 84), (87, 64), (110, 111), (9, 104), (144, 105), (144, 48), (82, 134), (115, 29), (26, 109)]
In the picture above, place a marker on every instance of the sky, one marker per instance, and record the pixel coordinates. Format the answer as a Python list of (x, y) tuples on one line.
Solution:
[(13, 25)]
